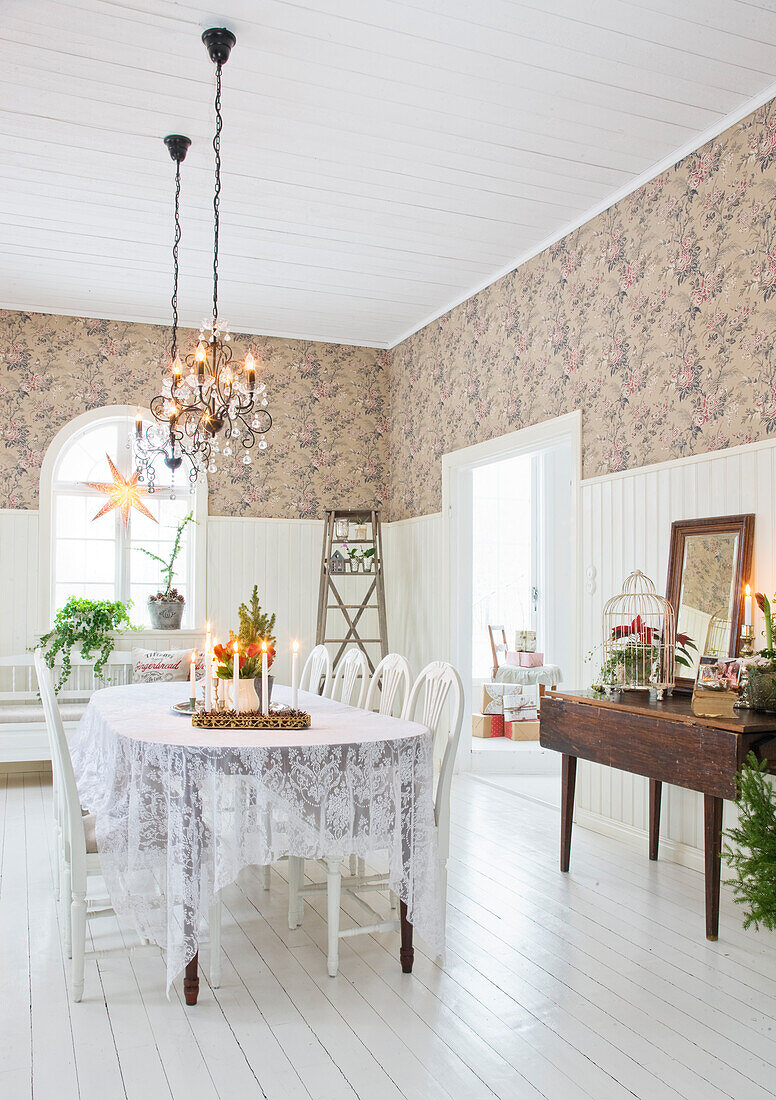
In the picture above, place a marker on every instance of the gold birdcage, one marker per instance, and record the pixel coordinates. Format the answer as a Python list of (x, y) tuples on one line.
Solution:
[(639, 639)]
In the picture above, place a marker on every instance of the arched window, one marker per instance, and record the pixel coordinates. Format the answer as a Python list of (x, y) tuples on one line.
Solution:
[(100, 558)]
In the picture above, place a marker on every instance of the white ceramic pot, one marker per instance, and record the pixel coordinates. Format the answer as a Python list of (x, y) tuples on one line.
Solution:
[(248, 699)]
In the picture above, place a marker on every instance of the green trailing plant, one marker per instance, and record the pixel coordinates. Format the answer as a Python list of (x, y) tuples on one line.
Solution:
[(87, 625), (168, 564), (753, 857)]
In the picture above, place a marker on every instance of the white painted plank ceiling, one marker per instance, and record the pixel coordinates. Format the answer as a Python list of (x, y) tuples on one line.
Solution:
[(382, 160)]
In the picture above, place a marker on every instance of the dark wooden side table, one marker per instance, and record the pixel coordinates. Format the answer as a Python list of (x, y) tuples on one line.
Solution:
[(663, 741)]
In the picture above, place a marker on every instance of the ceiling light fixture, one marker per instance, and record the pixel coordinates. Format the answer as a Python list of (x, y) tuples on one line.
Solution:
[(214, 402)]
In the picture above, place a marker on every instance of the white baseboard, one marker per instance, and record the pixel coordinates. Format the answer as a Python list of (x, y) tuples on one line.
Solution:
[(25, 742), (671, 850), (494, 757)]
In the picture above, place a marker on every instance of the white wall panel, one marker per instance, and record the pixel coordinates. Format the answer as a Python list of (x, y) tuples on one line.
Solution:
[(626, 520), (413, 589), (19, 573), (284, 558)]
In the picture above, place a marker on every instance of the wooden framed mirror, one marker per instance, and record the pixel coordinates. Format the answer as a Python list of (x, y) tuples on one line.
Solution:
[(709, 563)]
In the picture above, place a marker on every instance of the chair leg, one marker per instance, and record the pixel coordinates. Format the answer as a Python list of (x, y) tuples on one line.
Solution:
[(78, 924), (295, 872), (393, 900), (361, 865), (333, 891), (58, 863), (267, 869), (214, 921), (353, 865), (266, 875), (66, 897)]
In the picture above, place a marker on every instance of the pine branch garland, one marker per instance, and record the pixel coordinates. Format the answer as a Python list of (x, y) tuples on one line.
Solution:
[(753, 859)]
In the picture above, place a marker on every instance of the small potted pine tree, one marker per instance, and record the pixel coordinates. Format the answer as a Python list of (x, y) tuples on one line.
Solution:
[(165, 608), (256, 628)]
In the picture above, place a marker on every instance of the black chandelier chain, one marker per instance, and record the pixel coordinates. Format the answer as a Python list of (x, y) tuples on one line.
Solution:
[(175, 264), (217, 191)]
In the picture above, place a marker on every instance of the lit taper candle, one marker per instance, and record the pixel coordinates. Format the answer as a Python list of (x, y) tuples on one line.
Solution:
[(264, 680), (236, 679)]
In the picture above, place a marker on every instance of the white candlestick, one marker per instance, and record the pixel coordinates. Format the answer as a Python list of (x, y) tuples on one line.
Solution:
[(208, 670), (264, 680), (748, 607), (193, 677), (236, 678), (294, 675)]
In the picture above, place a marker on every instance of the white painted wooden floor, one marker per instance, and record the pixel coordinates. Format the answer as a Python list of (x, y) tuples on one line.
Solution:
[(599, 984)]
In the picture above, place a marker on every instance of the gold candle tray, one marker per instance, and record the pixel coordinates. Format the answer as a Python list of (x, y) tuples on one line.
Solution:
[(286, 719)]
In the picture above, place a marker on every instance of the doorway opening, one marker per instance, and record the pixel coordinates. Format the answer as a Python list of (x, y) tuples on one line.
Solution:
[(511, 517)]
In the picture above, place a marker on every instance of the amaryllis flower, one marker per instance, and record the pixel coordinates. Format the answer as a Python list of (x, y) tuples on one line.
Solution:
[(253, 650), (761, 601)]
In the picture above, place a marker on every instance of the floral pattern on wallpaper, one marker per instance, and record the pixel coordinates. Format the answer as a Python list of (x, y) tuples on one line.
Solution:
[(656, 318), (327, 447)]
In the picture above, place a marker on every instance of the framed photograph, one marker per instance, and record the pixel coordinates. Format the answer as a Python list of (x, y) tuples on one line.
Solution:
[(719, 674)]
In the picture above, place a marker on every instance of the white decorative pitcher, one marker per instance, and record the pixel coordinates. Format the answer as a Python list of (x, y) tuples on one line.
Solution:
[(248, 699)]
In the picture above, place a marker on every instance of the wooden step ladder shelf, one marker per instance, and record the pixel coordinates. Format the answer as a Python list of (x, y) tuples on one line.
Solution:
[(345, 626)]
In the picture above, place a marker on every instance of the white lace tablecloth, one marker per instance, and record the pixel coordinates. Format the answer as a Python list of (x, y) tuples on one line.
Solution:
[(181, 811)]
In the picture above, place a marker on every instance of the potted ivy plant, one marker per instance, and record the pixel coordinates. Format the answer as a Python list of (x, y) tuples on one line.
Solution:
[(165, 608), (88, 625)]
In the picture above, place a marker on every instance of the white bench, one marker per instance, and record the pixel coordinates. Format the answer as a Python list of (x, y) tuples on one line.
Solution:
[(22, 726)]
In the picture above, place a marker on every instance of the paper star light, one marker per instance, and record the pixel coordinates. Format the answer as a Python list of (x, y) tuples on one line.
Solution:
[(124, 494)]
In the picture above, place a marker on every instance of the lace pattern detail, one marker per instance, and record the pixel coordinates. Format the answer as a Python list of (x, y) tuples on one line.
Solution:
[(177, 822)]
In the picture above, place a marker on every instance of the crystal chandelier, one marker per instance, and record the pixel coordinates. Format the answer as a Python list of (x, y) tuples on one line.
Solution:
[(167, 442), (212, 403)]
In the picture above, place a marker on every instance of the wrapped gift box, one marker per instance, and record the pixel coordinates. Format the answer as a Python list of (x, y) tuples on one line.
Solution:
[(525, 641), (521, 709), (487, 725), (522, 731), (492, 697)]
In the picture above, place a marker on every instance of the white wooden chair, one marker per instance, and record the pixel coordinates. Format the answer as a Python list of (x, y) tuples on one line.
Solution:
[(392, 680), (78, 858), (353, 668), (436, 694), (317, 667)]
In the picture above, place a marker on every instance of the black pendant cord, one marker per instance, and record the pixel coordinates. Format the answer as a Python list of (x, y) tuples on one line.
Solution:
[(217, 192), (175, 265)]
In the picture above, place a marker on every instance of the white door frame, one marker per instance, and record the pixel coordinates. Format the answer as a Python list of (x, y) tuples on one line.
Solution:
[(456, 537)]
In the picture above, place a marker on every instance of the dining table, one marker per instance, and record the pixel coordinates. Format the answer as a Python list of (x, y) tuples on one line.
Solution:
[(182, 810)]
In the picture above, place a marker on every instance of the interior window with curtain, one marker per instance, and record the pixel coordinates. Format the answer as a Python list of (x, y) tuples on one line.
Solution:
[(100, 558)]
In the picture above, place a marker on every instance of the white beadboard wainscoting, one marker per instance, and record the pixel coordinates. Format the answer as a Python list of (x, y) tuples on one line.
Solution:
[(625, 522), (415, 589)]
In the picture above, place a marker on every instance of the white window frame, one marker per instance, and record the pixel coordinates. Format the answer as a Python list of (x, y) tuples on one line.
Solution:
[(196, 592)]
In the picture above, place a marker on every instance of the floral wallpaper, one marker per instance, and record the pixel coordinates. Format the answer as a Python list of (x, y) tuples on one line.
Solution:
[(656, 318), (328, 443)]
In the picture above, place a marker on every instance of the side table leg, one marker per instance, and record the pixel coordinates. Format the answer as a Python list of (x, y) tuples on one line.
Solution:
[(655, 793), (406, 951), (568, 782), (712, 836), (191, 981)]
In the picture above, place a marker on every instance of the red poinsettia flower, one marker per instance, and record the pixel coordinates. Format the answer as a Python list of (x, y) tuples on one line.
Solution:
[(252, 650), (270, 655), (636, 628), (683, 639), (219, 651)]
